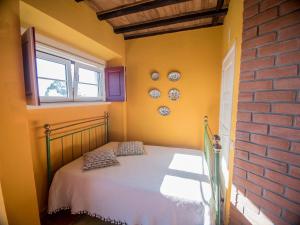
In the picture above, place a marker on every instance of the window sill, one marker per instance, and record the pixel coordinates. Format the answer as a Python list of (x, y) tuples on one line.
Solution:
[(65, 105)]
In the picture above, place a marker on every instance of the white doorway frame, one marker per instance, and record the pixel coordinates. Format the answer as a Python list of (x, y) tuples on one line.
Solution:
[(228, 61)]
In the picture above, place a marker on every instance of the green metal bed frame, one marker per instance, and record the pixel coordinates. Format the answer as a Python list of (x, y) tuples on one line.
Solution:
[(54, 132), (212, 149)]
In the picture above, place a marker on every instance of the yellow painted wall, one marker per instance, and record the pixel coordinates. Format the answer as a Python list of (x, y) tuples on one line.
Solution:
[(79, 17), (16, 170), (197, 55), (60, 21), (232, 33)]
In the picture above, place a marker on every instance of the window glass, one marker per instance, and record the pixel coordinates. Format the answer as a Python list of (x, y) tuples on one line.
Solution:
[(52, 88), (87, 90), (52, 70), (88, 76)]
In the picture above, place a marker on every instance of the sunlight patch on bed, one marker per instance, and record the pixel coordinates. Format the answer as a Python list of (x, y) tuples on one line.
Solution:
[(187, 163), (181, 188)]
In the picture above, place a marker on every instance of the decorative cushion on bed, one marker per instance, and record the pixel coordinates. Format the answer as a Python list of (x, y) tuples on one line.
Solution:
[(130, 148), (99, 158)]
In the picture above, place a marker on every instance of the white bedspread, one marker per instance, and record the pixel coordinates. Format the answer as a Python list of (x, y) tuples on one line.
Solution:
[(167, 186)]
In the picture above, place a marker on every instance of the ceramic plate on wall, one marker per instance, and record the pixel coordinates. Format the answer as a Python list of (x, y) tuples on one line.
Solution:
[(154, 93), (164, 110), (174, 94), (154, 75), (174, 76)]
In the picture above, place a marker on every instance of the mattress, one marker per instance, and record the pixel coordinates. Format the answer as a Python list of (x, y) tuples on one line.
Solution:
[(166, 186)]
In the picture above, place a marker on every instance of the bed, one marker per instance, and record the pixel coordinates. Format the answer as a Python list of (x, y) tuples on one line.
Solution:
[(166, 186)]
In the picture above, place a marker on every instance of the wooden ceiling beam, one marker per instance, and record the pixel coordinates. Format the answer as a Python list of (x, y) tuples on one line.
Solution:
[(147, 34), (218, 7), (135, 8), (171, 20)]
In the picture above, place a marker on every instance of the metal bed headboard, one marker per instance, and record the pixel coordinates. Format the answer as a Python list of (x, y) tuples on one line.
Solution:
[(71, 130), (212, 149)]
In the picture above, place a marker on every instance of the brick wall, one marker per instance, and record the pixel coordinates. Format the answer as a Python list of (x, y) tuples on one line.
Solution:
[(266, 180)]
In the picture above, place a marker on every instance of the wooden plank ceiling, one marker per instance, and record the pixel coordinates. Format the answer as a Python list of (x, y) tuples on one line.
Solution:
[(142, 18)]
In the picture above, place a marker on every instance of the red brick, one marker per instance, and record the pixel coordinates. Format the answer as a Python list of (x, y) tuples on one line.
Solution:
[(295, 147), (248, 3), (292, 195), (284, 156), (297, 121), (278, 48), (273, 119), (266, 4), (236, 217), (259, 41), (283, 179), (253, 148), (249, 166), (261, 202), (274, 218), (255, 85), (269, 141), (280, 23), (289, 32), (241, 154), (291, 83), (290, 134), (289, 7), (247, 76), (252, 127), (250, 33), (295, 171), (260, 18), (239, 172), (275, 96), (245, 97), (279, 72), (254, 107), (242, 136), (248, 54), (256, 64), (269, 163), (251, 11), (248, 185), (280, 201), (244, 116), (286, 108), (290, 217), (265, 183), (289, 58)]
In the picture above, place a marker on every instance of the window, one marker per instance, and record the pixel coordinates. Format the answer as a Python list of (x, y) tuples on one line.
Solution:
[(62, 80)]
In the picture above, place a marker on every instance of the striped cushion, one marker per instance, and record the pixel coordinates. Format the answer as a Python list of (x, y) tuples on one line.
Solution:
[(99, 158), (130, 148)]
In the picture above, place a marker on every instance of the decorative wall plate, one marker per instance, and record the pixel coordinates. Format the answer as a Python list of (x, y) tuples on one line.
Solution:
[(154, 93), (154, 75), (164, 110), (174, 94), (174, 76)]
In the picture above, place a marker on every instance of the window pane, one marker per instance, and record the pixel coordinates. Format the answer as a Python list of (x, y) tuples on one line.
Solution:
[(88, 76), (50, 69), (53, 88), (86, 90)]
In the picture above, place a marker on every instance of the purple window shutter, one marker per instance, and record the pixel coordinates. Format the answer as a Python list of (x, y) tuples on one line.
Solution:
[(115, 84), (29, 65)]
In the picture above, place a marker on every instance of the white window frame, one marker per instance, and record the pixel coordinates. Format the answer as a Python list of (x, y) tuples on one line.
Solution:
[(67, 63), (101, 83), (72, 85)]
